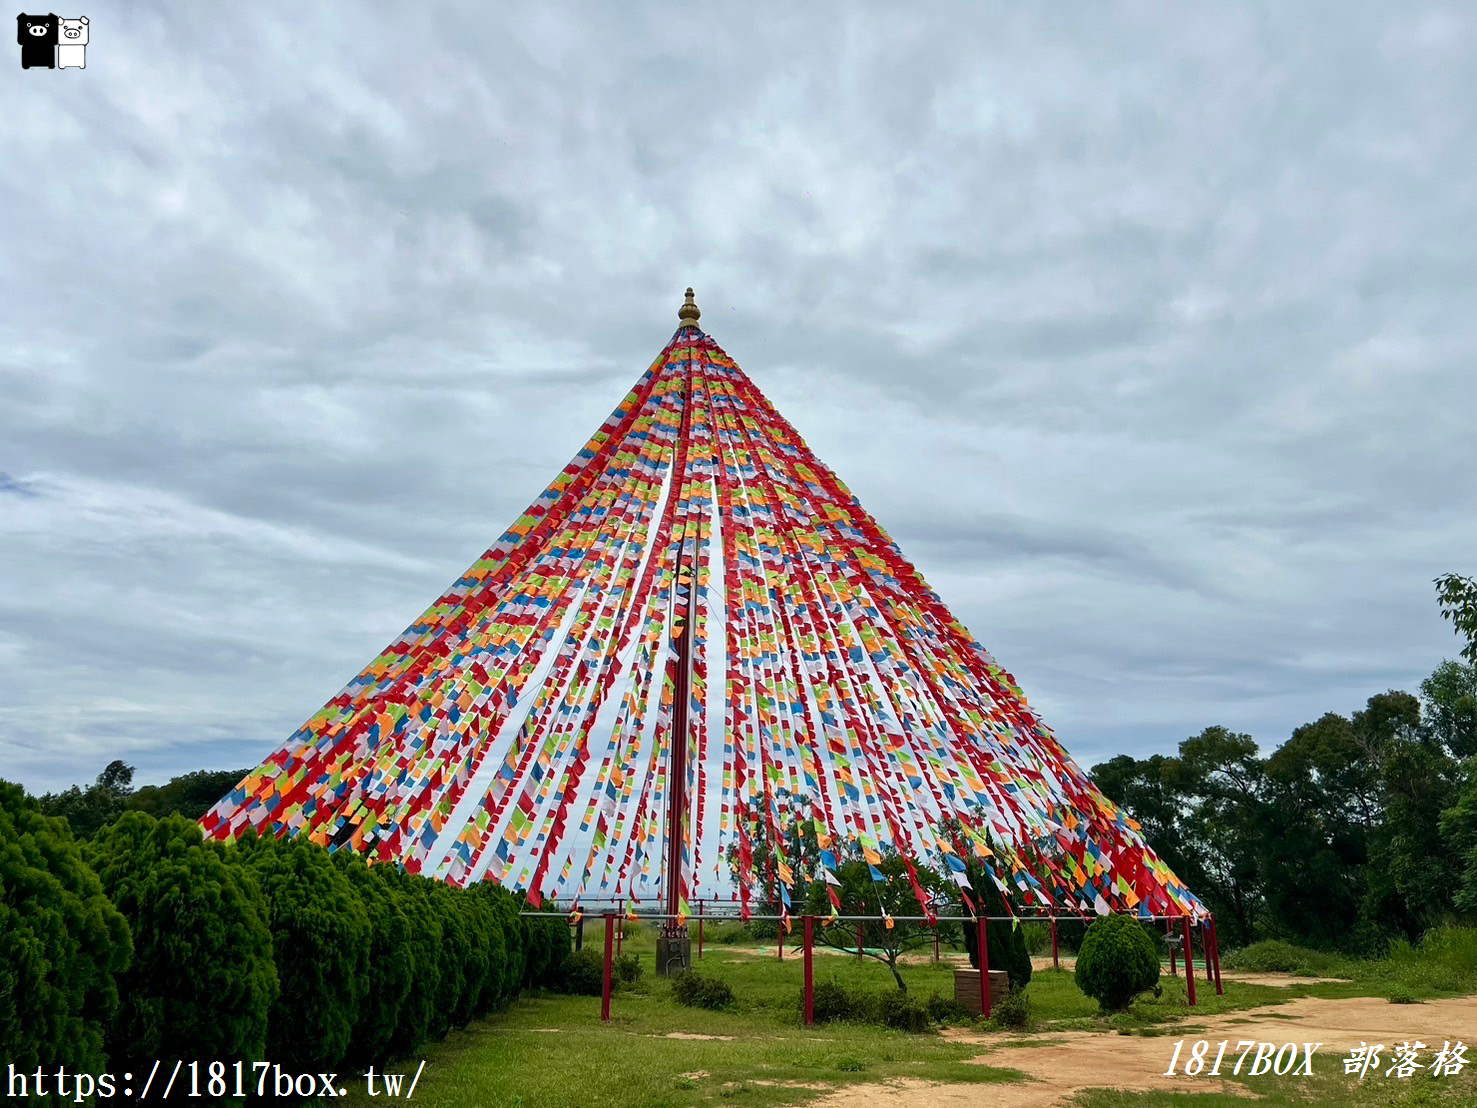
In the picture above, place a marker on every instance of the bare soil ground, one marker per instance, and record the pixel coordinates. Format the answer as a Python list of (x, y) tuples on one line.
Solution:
[(1278, 980), (1069, 1062)]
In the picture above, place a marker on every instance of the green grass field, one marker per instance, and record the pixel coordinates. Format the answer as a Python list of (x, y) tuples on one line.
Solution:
[(552, 1051)]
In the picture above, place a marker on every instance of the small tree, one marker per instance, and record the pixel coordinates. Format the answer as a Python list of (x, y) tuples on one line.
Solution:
[(62, 945), (202, 979), (863, 895), (1007, 941), (1117, 961), (393, 960)]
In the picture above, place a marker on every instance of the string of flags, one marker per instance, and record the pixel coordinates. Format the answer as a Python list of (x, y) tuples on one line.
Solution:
[(520, 730)]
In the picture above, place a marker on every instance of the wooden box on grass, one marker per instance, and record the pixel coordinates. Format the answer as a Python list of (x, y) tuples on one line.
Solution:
[(967, 988)]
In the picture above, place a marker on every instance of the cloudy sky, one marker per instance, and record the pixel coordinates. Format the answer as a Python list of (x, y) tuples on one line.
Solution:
[(1148, 336)]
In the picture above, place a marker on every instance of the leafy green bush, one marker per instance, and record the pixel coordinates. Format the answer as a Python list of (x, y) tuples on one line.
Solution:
[(1445, 959), (496, 947), (625, 969), (61, 945), (1403, 996), (889, 1007), (830, 1001), (1276, 956), (202, 980), (904, 1012), (320, 946), (698, 991), (1118, 960), (945, 1009), (1013, 1011), (584, 973)]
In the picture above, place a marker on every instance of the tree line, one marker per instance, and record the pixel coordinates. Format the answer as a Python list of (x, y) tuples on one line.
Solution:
[(1355, 830)]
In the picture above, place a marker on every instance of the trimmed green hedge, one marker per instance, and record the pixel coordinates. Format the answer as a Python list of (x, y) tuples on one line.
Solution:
[(62, 944), (202, 978), (264, 949)]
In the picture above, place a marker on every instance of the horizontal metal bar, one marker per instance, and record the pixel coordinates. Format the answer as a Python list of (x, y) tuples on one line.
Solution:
[(599, 914)]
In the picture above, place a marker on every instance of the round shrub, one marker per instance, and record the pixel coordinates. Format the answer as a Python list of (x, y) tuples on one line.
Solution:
[(320, 946), (584, 973), (698, 991), (1118, 960), (202, 980), (505, 929), (830, 1001), (61, 944), (1013, 1011)]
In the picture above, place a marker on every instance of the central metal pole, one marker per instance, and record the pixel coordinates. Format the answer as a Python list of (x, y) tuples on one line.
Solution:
[(674, 948)]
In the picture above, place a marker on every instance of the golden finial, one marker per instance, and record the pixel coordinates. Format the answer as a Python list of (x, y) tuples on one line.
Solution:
[(687, 315)]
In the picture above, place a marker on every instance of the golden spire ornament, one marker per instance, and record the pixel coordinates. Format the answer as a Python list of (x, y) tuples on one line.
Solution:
[(688, 314)]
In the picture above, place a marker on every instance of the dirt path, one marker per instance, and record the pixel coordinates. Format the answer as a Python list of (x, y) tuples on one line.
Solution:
[(1279, 980), (1073, 1061)]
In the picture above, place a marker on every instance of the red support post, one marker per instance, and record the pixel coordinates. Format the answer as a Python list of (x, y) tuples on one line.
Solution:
[(809, 970), (1055, 961), (859, 927), (1189, 960), (699, 930), (984, 937), (1215, 949), (1205, 946), (935, 943), (620, 932), (605, 981)]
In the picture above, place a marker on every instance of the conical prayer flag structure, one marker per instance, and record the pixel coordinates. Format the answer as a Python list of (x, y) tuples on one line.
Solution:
[(695, 620)]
